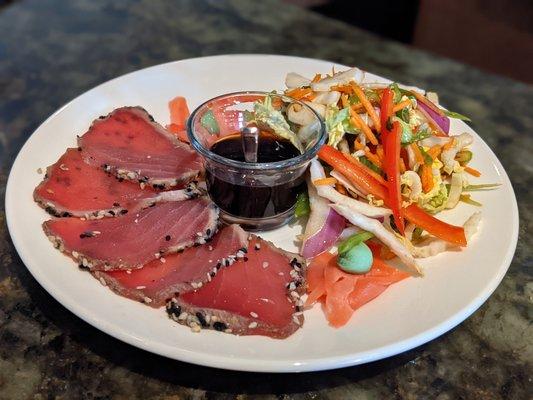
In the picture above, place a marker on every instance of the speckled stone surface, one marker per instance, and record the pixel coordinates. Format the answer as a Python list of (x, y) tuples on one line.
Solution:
[(53, 50)]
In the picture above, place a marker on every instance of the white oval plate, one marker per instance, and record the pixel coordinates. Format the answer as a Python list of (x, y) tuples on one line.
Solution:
[(408, 314)]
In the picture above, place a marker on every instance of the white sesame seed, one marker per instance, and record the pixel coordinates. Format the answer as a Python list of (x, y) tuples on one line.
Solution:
[(265, 264), (281, 273), (183, 316), (195, 327), (39, 170), (163, 260), (102, 281), (128, 271), (140, 287), (75, 254), (296, 319), (210, 248), (252, 325), (147, 300), (254, 315), (294, 294)]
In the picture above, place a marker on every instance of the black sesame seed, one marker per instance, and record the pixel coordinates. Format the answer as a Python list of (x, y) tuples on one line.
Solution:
[(180, 250), (220, 326), (244, 250), (79, 148), (201, 318), (116, 204), (167, 238), (66, 214), (208, 232), (112, 212), (123, 211), (83, 267), (245, 259), (121, 179), (173, 308), (87, 234), (218, 265)]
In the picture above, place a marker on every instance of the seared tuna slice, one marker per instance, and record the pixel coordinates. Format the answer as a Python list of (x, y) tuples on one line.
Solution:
[(129, 144), (74, 188), (258, 295), (134, 239), (161, 279)]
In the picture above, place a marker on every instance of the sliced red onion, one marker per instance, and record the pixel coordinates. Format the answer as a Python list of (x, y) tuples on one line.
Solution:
[(441, 120), (325, 237)]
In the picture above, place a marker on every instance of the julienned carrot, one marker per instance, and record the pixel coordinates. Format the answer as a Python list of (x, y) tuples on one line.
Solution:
[(317, 78), (379, 152), (436, 128), (427, 102), (427, 178), (358, 121), (392, 148), (449, 144), (325, 181), (436, 227), (344, 101), (401, 106), (343, 89), (354, 171), (369, 171), (434, 151), (473, 171), (339, 188), (299, 93), (368, 106), (402, 165), (373, 158)]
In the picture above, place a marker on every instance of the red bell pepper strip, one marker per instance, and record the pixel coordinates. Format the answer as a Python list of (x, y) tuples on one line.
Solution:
[(355, 174), (386, 109), (360, 179), (392, 147), (392, 169), (450, 233)]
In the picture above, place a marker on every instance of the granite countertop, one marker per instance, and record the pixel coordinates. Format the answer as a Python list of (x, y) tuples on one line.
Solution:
[(53, 50)]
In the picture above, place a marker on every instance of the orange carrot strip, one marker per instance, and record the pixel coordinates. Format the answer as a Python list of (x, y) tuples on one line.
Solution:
[(339, 188), (373, 158), (448, 145), (427, 178), (343, 89), (401, 106), (364, 127), (325, 181), (473, 171), (317, 78), (368, 106), (374, 174), (344, 100), (379, 152), (402, 165), (435, 151)]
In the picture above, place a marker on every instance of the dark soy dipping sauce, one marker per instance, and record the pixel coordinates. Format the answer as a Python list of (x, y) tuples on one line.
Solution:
[(256, 201)]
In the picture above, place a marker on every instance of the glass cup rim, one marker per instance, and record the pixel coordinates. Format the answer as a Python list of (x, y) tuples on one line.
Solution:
[(302, 158)]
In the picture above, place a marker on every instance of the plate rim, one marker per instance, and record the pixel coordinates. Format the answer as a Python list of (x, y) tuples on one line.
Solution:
[(237, 364)]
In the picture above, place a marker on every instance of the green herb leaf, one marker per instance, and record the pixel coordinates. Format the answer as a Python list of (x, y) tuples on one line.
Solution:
[(417, 233), (427, 158), (209, 122), (353, 241), (397, 92), (365, 161), (302, 207), (455, 115)]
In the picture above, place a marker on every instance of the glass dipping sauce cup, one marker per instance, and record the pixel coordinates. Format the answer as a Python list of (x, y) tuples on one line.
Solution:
[(260, 195)]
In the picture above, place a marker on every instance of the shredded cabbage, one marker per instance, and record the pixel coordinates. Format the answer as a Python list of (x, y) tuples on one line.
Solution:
[(435, 200), (337, 124), (266, 114)]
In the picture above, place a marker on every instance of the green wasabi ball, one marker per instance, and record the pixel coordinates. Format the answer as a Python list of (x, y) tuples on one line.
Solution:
[(357, 260)]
